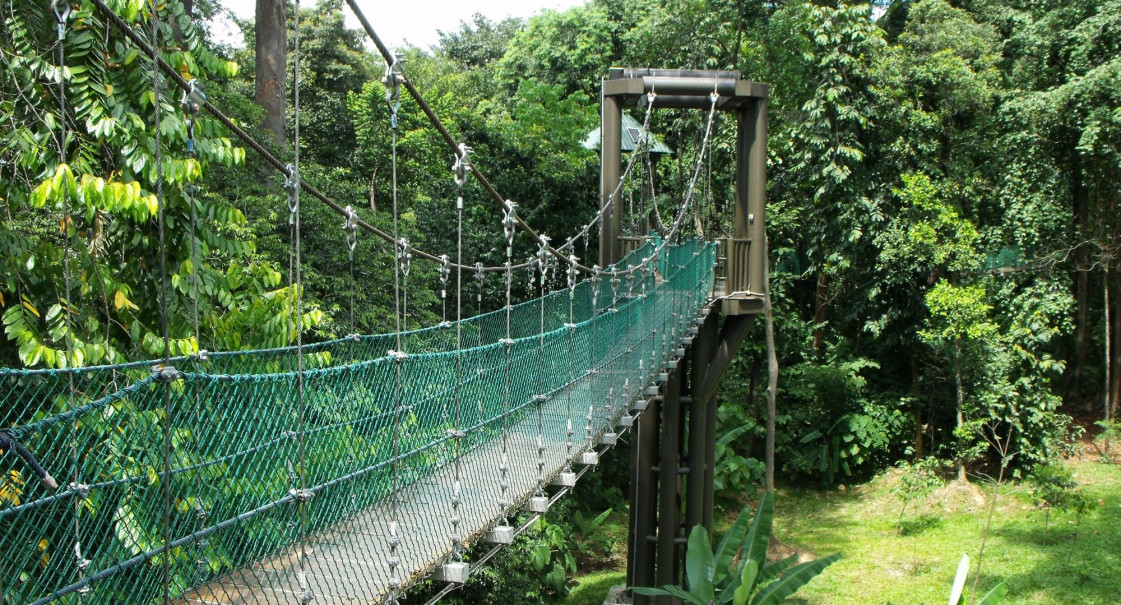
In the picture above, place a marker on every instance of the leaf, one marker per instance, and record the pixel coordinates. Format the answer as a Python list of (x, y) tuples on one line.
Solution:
[(959, 580), (775, 569), (760, 534), (672, 591), (995, 595), (730, 544), (794, 579), (747, 582), (699, 566), (733, 434)]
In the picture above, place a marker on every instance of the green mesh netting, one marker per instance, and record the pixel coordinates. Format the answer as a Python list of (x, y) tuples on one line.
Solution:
[(242, 439)]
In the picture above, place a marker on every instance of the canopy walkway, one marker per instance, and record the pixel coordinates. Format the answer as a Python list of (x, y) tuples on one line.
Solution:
[(264, 502), (346, 471)]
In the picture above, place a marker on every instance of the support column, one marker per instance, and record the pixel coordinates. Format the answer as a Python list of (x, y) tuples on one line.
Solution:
[(757, 192), (704, 345), (698, 437), (669, 499), (745, 127), (644, 500), (611, 132)]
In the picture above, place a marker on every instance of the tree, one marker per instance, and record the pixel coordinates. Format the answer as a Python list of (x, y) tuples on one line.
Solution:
[(960, 327), (825, 145), (271, 43), (97, 211)]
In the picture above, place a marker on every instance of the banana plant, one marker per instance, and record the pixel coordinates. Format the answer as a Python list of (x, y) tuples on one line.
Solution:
[(957, 592), (713, 580)]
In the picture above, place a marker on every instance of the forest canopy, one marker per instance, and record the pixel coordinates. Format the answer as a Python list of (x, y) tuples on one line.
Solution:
[(943, 197)]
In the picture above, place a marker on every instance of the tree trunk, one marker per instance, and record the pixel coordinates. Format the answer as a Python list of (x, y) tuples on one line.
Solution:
[(1112, 338), (753, 380), (960, 400), (1107, 404), (1081, 333), (821, 311), (772, 370), (1081, 231), (919, 453), (272, 61)]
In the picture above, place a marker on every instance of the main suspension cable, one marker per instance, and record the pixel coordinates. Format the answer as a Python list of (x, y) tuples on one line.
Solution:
[(125, 29), (252, 143)]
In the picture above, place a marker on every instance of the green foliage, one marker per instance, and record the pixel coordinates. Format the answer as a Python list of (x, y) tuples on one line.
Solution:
[(917, 480), (553, 556), (590, 544), (1053, 487), (737, 571), (1110, 432), (834, 430), (99, 207), (735, 474)]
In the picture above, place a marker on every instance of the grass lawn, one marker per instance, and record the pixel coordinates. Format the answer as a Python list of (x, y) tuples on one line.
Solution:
[(1077, 561)]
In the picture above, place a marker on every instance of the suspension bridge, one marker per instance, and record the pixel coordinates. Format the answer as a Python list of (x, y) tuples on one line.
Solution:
[(347, 471)]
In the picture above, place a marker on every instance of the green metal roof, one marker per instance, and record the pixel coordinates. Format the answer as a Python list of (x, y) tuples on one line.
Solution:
[(632, 132)]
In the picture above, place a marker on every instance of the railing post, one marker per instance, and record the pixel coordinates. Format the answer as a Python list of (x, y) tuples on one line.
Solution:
[(611, 131)]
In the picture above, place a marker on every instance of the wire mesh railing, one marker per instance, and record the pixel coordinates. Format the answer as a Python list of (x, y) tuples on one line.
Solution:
[(235, 425)]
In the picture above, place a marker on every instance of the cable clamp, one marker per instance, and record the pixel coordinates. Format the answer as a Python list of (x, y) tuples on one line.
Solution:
[(193, 98), (292, 185), (355, 337), (80, 489), (61, 10), (543, 256), (350, 227), (540, 398), (394, 77), (202, 355), (456, 433), (444, 324), (461, 167), (405, 255), (82, 562), (570, 326), (166, 374), (509, 222), (529, 268), (301, 495), (398, 356), (444, 272)]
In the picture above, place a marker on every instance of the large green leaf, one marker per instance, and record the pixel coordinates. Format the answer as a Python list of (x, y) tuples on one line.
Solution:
[(995, 595), (956, 596), (748, 576), (729, 545), (760, 535), (794, 579), (671, 591), (775, 569), (699, 566)]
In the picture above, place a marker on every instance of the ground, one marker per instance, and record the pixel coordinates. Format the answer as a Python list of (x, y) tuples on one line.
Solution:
[(1070, 559)]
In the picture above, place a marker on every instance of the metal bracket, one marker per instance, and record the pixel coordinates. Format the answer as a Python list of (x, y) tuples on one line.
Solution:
[(166, 374), (565, 479), (301, 495), (500, 534), (456, 572)]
